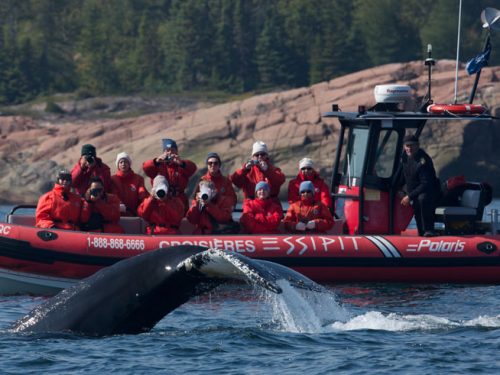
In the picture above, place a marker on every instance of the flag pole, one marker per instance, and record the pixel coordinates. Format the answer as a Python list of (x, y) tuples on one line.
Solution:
[(458, 50)]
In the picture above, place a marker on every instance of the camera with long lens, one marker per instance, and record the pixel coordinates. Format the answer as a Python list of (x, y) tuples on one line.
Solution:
[(205, 193), (90, 159), (161, 191)]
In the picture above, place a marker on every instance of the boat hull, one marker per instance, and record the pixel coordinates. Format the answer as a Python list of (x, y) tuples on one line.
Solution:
[(53, 259)]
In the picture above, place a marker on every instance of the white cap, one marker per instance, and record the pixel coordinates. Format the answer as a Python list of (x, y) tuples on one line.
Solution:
[(259, 146), (123, 155), (306, 162)]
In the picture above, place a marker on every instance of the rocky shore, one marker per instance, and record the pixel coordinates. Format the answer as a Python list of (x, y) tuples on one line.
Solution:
[(290, 122)]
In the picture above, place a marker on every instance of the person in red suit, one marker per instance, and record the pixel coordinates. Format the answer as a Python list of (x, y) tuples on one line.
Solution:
[(210, 211), (161, 210), (262, 214), (128, 186), (258, 168), (60, 208), (104, 209), (308, 215), (308, 173), (87, 167), (222, 184), (176, 170)]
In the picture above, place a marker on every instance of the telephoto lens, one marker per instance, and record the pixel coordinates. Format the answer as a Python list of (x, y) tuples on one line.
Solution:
[(160, 193)]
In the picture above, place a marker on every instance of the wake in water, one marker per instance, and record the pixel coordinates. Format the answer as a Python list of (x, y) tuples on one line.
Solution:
[(303, 311)]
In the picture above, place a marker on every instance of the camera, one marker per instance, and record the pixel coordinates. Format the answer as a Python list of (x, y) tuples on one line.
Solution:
[(90, 159), (205, 193), (95, 192), (168, 159), (160, 193), (253, 162)]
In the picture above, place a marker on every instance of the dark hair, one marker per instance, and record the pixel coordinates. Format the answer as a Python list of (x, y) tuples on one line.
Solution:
[(96, 179)]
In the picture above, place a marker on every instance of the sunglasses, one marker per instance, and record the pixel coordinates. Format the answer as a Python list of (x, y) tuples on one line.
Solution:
[(306, 169), (263, 154), (65, 178), (306, 192), (213, 163)]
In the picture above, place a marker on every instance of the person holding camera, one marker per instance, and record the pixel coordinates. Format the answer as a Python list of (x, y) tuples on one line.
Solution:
[(87, 167), (308, 173), (308, 215), (222, 184), (258, 168), (128, 185), (262, 214), (104, 209), (176, 170), (60, 208), (210, 211), (161, 210)]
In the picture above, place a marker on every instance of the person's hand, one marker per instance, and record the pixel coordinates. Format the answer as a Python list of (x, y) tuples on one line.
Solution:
[(248, 165), (311, 224), (300, 226), (90, 197), (175, 159), (263, 165), (84, 163), (259, 217), (405, 201)]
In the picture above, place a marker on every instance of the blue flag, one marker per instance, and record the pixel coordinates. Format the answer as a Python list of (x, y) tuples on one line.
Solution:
[(476, 64)]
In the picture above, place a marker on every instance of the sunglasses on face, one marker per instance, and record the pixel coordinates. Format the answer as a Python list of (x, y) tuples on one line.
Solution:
[(306, 192), (213, 163), (306, 169), (262, 154)]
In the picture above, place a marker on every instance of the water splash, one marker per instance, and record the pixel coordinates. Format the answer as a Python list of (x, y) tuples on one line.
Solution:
[(304, 311), (393, 322)]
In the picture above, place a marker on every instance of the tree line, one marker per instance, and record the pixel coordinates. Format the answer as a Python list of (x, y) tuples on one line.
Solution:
[(95, 47)]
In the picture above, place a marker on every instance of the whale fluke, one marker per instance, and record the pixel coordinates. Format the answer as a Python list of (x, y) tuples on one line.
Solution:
[(134, 294)]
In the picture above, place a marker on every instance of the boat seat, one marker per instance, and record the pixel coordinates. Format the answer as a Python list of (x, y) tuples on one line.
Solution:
[(27, 220), (133, 224), (462, 219)]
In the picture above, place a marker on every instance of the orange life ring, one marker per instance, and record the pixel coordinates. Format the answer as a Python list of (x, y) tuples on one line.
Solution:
[(457, 109)]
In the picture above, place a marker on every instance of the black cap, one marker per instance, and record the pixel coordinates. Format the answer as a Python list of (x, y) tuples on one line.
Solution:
[(410, 139), (88, 149), (213, 155), (64, 174)]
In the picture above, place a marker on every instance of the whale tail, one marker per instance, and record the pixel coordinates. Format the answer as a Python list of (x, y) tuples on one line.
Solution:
[(134, 294)]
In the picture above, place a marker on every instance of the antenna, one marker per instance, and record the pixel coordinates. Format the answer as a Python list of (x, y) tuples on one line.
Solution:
[(458, 50), (429, 62)]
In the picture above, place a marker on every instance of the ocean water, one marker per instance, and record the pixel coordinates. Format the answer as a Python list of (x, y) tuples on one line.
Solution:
[(240, 329)]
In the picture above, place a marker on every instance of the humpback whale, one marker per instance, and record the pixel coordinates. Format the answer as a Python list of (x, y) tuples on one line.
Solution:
[(132, 295)]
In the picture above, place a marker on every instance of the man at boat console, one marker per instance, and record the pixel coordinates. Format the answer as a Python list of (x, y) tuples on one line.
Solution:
[(258, 168), (60, 208), (422, 185), (177, 171)]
